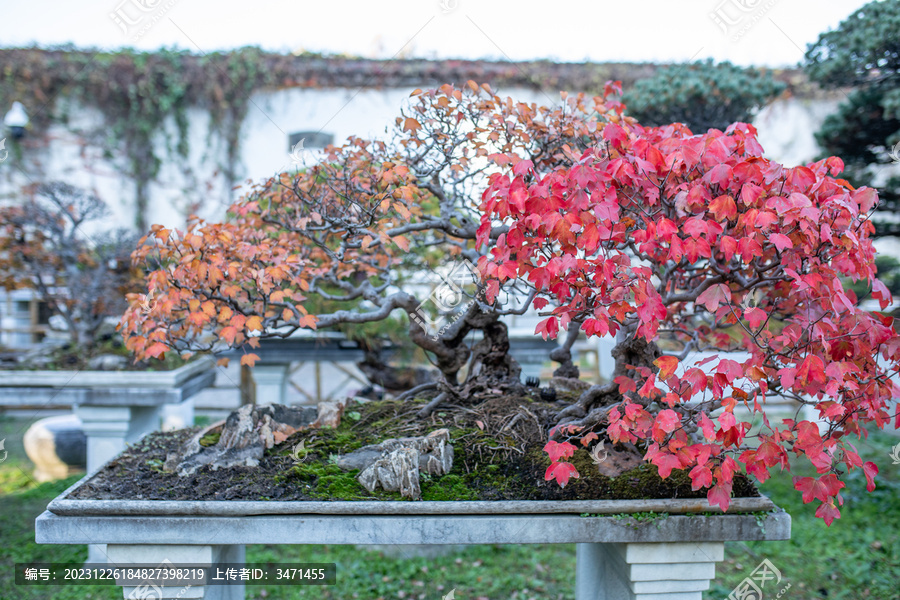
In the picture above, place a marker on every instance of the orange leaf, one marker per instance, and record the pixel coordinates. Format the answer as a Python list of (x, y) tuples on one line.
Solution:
[(249, 359), (667, 366), (228, 334), (254, 323), (157, 350), (402, 242), (225, 314), (222, 362), (209, 308), (404, 212), (411, 124)]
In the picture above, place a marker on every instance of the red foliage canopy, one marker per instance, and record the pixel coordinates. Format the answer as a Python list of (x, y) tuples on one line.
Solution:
[(657, 233)]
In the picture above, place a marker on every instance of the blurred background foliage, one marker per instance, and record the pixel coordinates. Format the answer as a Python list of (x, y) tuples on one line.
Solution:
[(703, 95), (862, 58)]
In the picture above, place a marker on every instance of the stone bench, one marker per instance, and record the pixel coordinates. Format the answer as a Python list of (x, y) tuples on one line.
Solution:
[(618, 558)]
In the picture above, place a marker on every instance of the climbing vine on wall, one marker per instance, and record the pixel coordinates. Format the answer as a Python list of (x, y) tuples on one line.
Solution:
[(138, 91)]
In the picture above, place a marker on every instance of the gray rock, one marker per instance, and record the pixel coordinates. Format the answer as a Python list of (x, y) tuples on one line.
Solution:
[(435, 454), (395, 464), (244, 437), (330, 413), (399, 470), (360, 459), (108, 362)]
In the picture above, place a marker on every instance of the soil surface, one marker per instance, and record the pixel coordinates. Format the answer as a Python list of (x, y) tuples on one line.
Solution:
[(498, 455)]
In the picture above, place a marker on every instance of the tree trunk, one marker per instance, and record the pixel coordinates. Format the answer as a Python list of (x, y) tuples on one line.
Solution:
[(491, 360), (391, 378), (563, 354), (491, 367), (593, 405), (635, 352)]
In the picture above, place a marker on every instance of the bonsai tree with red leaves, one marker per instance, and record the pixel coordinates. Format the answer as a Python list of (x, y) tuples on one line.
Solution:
[(656, 233)]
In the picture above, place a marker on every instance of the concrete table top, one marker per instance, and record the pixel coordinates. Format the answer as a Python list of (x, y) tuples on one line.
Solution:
[(405, 529), (107, 379), (619, 557), (105, 388), (375, 522)]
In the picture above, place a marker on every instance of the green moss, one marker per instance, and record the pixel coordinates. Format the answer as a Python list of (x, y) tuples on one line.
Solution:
[(342, 487), (641, 517), (210, 439), (448, 487), (485, 466), (326, 481)]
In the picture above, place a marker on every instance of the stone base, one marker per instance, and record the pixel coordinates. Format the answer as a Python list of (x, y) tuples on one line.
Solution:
[(121, 555), (617, 559), (642, 571), (413, 550)]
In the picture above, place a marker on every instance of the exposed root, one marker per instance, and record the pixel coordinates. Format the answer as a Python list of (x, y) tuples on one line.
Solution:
[(592, 419), (432, 405), (425, 387), (594, 395)]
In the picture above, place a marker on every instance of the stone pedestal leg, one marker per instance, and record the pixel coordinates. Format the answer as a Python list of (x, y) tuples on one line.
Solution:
[(121, 555), (177, 416), (646, 571), (108, 429), (271, 383)]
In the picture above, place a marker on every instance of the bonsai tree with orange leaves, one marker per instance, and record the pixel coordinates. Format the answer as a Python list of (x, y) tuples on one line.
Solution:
[(353, 230)]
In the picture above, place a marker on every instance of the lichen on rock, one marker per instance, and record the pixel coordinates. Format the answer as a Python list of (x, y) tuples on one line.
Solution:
[(396, 464)]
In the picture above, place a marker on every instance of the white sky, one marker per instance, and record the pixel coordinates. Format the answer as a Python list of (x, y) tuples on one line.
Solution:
[(762, 32)]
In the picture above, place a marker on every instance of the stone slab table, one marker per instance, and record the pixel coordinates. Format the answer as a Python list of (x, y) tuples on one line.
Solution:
[(618, 558), (115, 407)]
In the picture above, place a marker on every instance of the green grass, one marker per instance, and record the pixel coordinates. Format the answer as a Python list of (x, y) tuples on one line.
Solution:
[(858, 557)]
